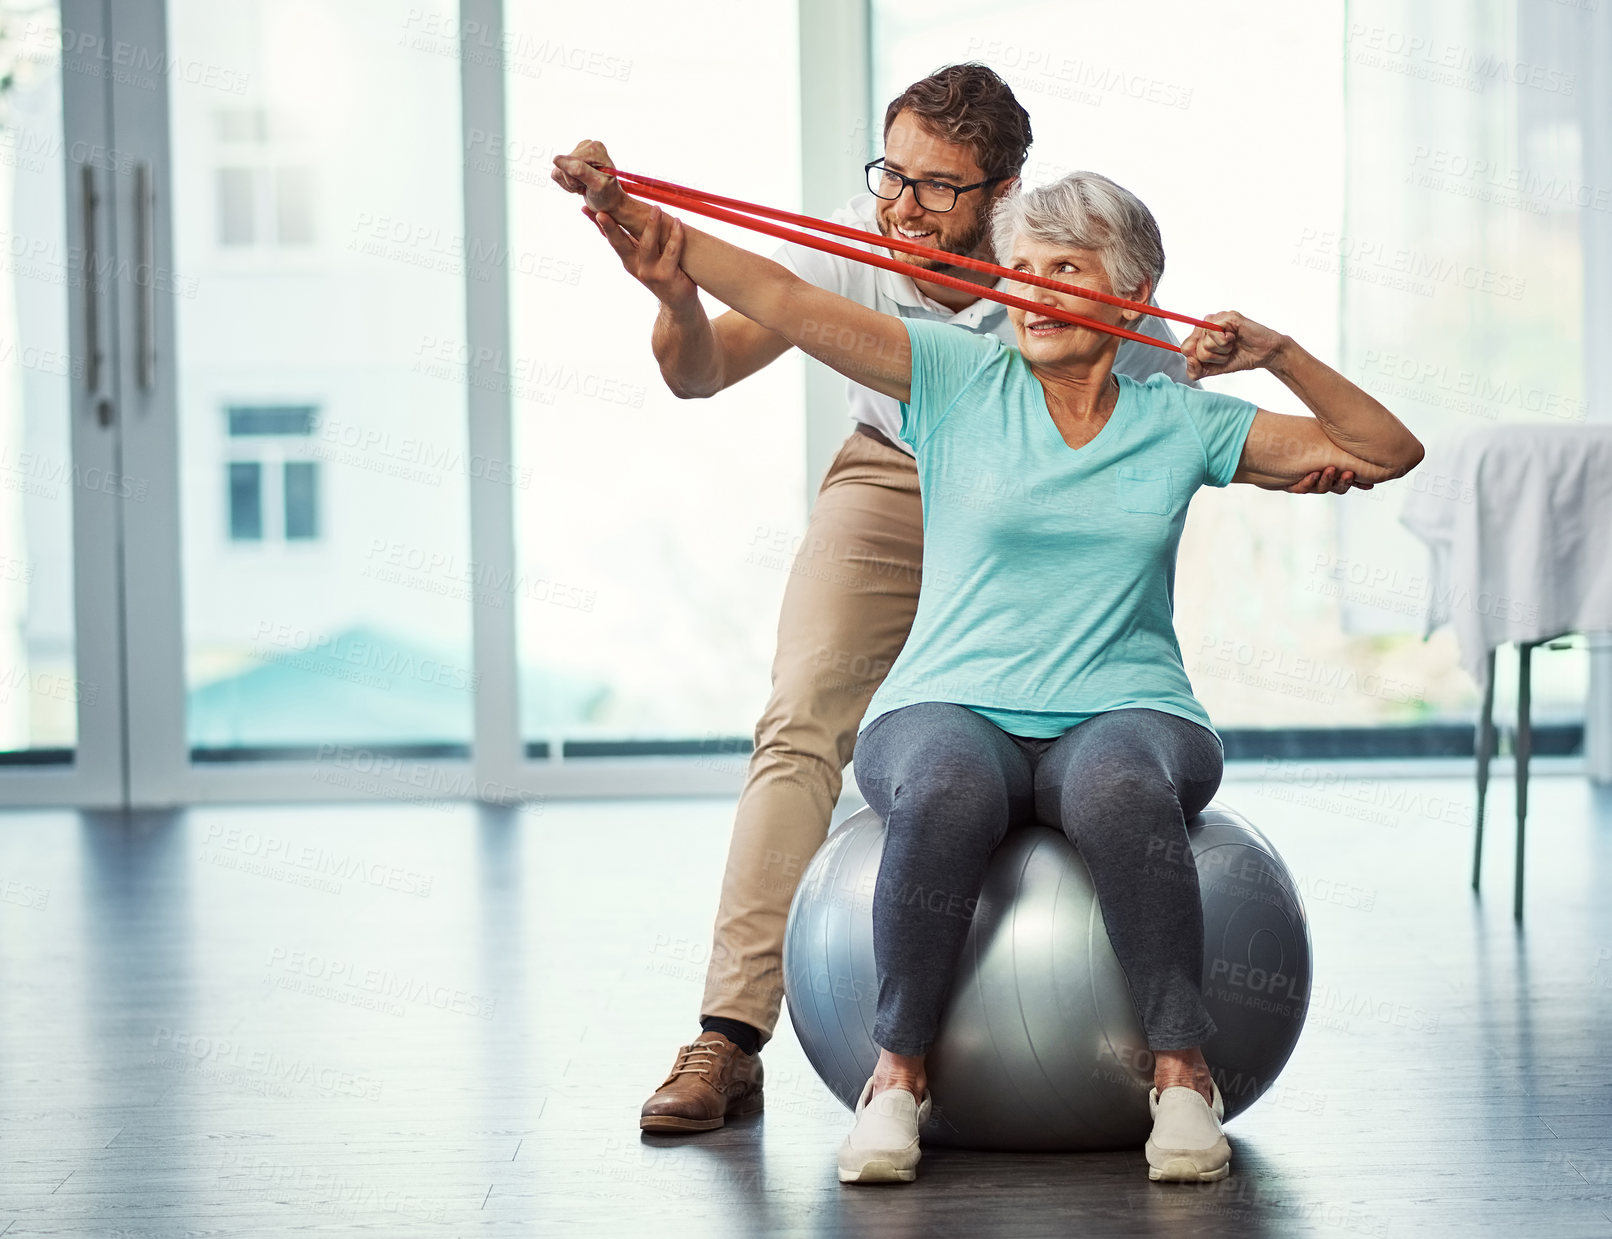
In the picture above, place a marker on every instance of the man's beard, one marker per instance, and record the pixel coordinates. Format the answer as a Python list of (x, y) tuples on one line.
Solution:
[(965, 245)]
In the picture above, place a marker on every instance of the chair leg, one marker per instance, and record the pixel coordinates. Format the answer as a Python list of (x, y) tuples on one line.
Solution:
[(1525, 742), (1485, 752)]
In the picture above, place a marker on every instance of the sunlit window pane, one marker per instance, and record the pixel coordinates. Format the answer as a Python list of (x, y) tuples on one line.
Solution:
[(39, 686), (327, 586), (642, 609)]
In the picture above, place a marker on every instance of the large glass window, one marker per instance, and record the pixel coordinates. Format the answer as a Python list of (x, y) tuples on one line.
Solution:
[(317, 205), (1460, 275), (645, 613), (39, 688), (1315, 220)]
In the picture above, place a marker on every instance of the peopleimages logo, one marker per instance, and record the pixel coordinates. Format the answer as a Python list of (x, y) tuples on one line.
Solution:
[(427, 244), (366, 655), (1284, 664), (527, 378), (228, 1055), (1385, 801), (383, 983), (1435, 167), (1372, 258), (1080, 81), (377, 441), (522, 51), (1435, 60), (274, 849), (45, 473), (400, 563), (1387, 588), (1469, 390), (124, 62)]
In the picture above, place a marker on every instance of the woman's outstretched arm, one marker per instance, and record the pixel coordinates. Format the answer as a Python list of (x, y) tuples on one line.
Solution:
[(1350, 429), (860, 343)]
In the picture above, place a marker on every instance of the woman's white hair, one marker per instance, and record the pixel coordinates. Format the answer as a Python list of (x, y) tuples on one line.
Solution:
[(1086, 211)]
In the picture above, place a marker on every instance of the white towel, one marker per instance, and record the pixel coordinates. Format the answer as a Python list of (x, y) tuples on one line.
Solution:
[(1518, 524)]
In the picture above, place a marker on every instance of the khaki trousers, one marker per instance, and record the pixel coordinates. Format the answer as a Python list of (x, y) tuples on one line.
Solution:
[(847, 609)]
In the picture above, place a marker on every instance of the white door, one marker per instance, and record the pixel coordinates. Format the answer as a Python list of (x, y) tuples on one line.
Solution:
[(64, 482)]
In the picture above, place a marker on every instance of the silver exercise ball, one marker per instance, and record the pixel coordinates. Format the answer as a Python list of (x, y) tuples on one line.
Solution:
[(1040, 1045)]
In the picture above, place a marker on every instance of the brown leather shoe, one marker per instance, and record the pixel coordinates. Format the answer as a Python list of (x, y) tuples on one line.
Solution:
[(711, 1081)]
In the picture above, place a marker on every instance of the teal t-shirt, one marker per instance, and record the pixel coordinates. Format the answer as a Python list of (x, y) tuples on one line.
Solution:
[(1049, 571)]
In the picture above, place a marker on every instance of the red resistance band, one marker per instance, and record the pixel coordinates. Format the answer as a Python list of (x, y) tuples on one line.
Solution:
[(702, 203)]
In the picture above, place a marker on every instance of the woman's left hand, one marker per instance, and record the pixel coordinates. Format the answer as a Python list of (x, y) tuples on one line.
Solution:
[(1247, 345)]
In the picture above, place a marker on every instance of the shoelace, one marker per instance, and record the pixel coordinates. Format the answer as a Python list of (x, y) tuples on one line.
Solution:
[(704, 1050)]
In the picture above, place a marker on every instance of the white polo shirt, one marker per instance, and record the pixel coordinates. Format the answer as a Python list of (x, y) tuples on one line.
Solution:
[(889, 293)]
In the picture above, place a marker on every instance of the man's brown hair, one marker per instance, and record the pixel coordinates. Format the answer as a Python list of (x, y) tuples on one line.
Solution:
[(970, 105)]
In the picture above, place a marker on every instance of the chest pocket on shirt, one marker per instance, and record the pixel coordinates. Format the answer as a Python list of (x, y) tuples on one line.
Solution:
[(1145, 490)]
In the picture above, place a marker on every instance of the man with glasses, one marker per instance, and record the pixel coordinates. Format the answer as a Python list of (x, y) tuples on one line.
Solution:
[(954, 143)]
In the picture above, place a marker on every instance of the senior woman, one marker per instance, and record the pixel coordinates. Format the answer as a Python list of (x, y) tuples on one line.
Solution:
[(1042, 681)]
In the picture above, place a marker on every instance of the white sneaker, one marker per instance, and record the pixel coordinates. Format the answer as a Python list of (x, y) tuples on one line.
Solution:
[(1187, 1145), (883, 1146)]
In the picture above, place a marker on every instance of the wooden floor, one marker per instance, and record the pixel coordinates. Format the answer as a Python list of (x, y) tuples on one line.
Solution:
[(437, 1021)]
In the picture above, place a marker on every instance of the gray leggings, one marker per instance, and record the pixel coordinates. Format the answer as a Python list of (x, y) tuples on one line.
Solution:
[(950, 784)]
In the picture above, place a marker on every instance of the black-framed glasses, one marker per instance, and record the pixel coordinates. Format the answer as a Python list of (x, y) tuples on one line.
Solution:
[(936, 196)]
